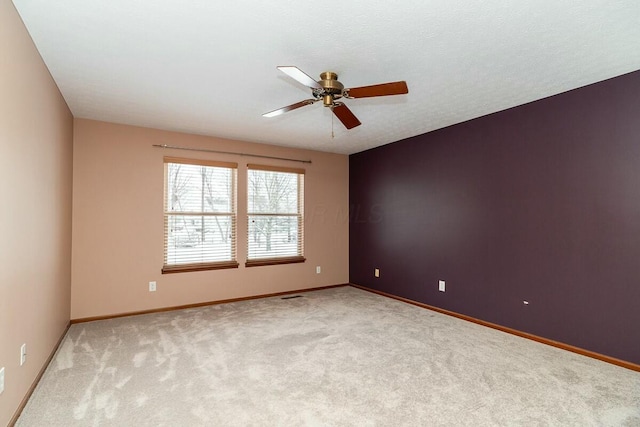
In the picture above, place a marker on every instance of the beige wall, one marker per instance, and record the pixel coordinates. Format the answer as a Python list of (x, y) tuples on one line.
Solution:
[(118, 223), (117, 217), (35, 215)]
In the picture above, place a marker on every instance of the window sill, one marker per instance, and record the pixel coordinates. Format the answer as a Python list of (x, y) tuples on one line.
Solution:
[(185, 268), (274, 261)]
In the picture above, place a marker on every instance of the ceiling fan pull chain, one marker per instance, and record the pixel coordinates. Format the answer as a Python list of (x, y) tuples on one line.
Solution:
[(332, 123)]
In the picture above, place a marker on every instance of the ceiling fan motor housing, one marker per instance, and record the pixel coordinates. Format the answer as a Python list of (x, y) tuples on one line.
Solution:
[(331, 88)]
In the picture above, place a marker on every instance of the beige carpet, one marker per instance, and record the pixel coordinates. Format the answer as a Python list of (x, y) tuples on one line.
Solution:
[(337, 357)]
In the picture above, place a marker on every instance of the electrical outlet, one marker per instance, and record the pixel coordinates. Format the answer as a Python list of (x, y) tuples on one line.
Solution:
[(1, 380), (441, 285), (376, 272), (23, 354), (152, 286), (318, 270)]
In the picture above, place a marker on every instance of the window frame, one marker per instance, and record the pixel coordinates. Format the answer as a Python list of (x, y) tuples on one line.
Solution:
[(299, 258), (233, 215)]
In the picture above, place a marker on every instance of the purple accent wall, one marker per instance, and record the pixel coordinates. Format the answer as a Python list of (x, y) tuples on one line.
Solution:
[(540, 202)]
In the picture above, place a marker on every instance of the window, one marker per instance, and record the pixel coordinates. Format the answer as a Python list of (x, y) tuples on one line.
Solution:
[(199, 215), (275, 215)]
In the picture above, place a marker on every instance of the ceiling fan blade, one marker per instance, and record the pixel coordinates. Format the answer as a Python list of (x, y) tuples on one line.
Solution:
[(384, 89), (289, 108), (299, 75), (345, 115)]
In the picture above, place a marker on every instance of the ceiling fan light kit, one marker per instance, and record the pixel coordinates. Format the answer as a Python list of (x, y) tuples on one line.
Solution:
[(328, 89)]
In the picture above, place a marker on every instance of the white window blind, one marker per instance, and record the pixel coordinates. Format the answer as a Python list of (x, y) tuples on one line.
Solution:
[(199, 215), (275, 210)]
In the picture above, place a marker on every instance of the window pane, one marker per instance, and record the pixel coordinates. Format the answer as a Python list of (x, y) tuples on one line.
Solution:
[(273, 236), (195, 188), (200, 215), (193, 239), (272, 192)]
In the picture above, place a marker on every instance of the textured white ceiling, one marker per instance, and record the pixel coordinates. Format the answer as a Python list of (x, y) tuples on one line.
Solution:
[(209, 67)]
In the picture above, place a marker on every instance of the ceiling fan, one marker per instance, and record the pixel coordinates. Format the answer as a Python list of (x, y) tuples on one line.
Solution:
[(329, 89)]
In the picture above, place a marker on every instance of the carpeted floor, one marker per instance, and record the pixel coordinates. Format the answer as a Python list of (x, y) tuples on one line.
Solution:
[(336, 357)]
